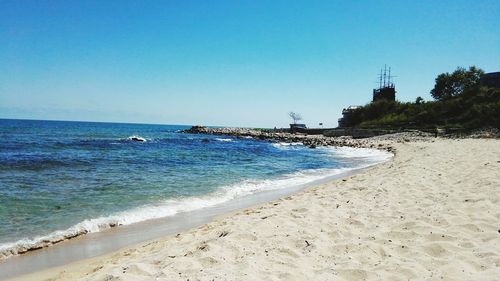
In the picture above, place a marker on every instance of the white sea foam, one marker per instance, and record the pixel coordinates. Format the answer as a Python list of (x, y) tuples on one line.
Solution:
[(224, 140), (286, 145), (366, 155), (136, 138), (166, 208)]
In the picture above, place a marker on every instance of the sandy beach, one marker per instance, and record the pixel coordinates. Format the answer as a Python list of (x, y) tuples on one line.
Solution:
[(431, 213)]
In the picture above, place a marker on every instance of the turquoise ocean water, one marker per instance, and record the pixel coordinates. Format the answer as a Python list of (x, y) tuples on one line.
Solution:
[(61, 179)]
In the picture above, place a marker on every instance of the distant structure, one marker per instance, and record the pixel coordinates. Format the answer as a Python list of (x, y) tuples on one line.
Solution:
[(386, 89), (347, 113), (491, 79), (296, 126)]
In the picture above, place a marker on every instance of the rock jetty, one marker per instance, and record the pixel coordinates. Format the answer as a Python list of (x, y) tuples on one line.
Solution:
[(313, 141)]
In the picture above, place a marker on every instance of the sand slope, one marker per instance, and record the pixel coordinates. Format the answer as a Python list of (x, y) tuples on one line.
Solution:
[(433, 213)]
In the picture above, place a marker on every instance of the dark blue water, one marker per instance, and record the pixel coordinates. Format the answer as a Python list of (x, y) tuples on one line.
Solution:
[(60, 178)]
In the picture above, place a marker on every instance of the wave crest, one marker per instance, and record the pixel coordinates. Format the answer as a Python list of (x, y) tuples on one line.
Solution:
[(171, 207), (224, 139), (136, 138)]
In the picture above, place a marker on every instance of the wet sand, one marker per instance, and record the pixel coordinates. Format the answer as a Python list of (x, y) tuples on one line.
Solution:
[(99, 243), (431, 213)]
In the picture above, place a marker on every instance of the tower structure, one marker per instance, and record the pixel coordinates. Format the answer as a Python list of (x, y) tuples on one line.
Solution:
[(386, 89)]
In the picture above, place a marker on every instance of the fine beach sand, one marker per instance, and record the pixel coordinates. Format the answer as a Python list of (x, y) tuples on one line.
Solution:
[(431, 213)]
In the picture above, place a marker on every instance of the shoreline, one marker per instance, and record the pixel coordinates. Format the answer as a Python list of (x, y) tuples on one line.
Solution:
[(98, 244), (202, 246), (53, 254), (99, 224)]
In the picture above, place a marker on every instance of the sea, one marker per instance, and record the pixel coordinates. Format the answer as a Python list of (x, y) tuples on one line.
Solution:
[(61, 179)]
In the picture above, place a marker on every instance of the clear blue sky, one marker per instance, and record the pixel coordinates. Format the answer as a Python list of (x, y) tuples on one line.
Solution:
[(233, 63)]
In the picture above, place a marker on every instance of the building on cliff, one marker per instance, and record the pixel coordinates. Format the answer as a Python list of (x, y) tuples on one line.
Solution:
[(491, 79), (386, 89), (347, 116)]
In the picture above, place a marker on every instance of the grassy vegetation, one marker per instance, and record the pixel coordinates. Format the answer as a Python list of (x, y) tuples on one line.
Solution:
[(472, 107)]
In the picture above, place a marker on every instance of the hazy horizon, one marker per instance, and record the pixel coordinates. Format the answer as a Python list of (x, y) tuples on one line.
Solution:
[(111, 122)]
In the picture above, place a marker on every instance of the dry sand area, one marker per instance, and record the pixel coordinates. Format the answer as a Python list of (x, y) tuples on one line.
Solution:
[(432, 213)]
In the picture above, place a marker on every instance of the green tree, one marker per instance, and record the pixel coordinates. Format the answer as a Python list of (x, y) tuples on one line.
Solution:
[(454, 84)]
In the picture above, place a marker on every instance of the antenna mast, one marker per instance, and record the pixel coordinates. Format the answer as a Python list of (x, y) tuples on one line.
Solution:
[(380, 78), (385, 75), (385, 78), (389, 78)]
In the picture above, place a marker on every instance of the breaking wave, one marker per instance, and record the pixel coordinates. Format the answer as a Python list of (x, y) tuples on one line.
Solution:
[(287, 145), (172, 207), (224, 139), (136, 138)]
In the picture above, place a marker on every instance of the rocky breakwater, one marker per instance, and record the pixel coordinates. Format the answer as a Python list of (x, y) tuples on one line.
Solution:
[(313, 141)]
